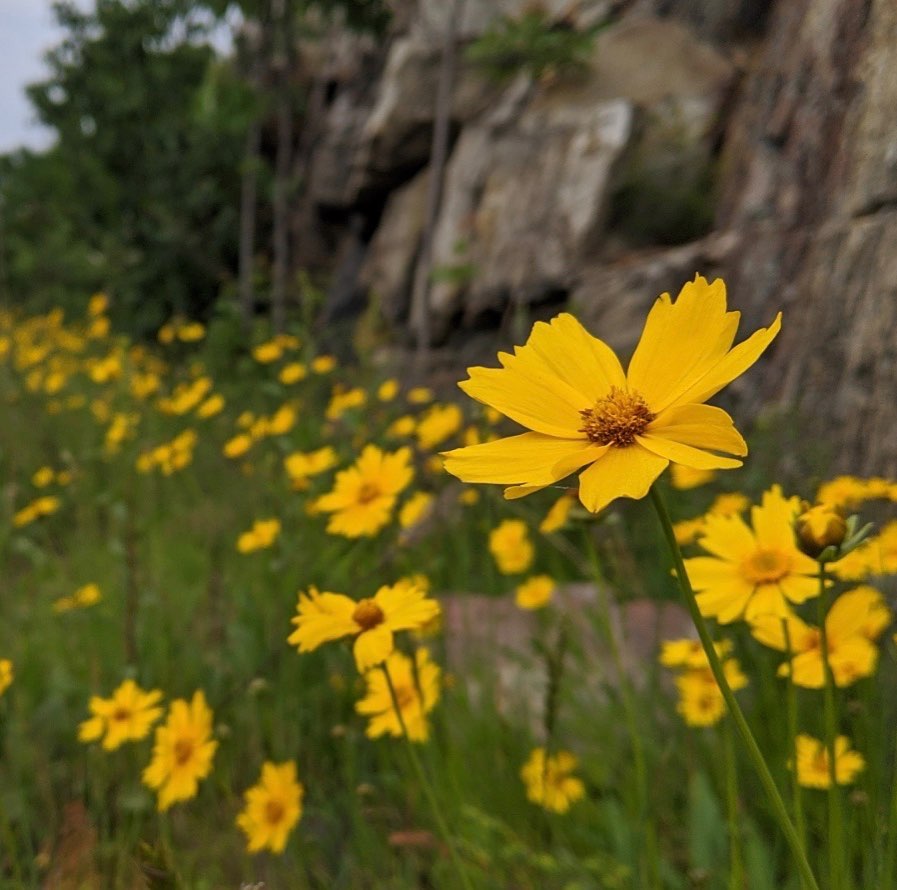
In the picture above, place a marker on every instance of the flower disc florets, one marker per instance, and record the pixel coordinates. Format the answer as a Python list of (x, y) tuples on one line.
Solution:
[(367, 614), (617, 418)]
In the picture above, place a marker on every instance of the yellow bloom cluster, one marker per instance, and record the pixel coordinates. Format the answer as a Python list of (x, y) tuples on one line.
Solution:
[(82, 598), (169, 457), (263, 534)]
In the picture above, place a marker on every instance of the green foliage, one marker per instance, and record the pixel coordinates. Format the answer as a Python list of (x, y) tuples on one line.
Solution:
[(139, 193), (533, 43)]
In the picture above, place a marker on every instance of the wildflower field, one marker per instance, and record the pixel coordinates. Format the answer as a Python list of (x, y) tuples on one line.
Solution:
[(269, 619)]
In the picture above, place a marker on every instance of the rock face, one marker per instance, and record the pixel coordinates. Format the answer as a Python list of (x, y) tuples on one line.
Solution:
[(754, 139)]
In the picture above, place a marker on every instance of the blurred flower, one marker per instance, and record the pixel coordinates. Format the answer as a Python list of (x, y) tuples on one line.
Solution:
[(753, 571), (7, 674), (127, 716), (569, 390), (416, 690), (511, 547), (688, 653), (43, 477), (364, 495), (272, 808), (700, 701), (402, 427), (388, 390), (683, 477), (300, 466), (813, 769), (550, 782), (292, 373), (263, 534), (535, 592), (323, 364), (213, 405), (267, 352), (42, 506), (183, 751), (437, 424), (237, 446), (556, 518), (323, 617), (344, 401), (416, 508)]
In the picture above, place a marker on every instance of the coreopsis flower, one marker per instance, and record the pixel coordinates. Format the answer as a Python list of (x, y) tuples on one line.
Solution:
[(7, 674), (856, 619), (38, 508), (754, 570), (97, 304), (550, 782), (43, 477), (535, 592), (273, 807), (416, 688), (876, 556), (820, 527), (687, 531), (700, 701), (419, 395), (684, 478), (213, 405), (237, 446), (183, 751), (402, 427), (267, 352), (813, 762), (388, 390), (416, 508), (848, 492), (689, 654), (323, 364), (292, 373), (302, 465), (282, 420), (438, 424), (127, 716), (569, 390), (82, 598), (511, 547), (364, 495), (263, 534), (556, 518), (343, 401), (323, 617)]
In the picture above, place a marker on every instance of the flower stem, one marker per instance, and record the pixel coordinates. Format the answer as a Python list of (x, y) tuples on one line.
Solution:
[(791, 705), (835, 842), (736, 859), (777, 805), (891, 849), (427, 788)]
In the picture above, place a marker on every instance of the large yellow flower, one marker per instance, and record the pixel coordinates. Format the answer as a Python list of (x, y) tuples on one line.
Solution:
[(127, 716), (323, 617), (364, 495), (183, 751), (569, 390), (417, 691), (753, 572), (273, 807)]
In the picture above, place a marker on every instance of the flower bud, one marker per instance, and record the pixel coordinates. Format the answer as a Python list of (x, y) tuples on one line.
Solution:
[(819, 528)]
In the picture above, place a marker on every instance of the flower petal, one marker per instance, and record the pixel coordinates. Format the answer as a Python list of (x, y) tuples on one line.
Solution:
[(528, 459), (727, 537), (725, 604), (682, 342), (373, 647), (702, 426), (707, 572), (686, 454), (619, 472)]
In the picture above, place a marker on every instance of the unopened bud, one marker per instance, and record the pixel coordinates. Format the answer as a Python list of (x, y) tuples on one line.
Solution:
[(819, 528)]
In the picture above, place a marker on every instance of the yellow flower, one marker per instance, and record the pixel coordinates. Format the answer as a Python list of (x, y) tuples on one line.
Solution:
[(292, 373), (282, 421), (416, 508), (689, 654), (300, 466), (341, 402), (322, 617), (388, 390), (855, 620), (211, 406), (267, 352), (820, 527), (683, 477), (416, 690), (813, 764), (237, 446), (402, 427), (440, 422), (469, 497), (263, 534), (569, 390), (125, 717), (365, 494), (729, 504), (875, 556), (843, 491), (191, 332), (273, 807), (688, 530), (535, 592), (511, 547), (97, 304), (550, 782), (43, 477), (88, 595), (43, 506), (183, 751), (419, 395), (556, 518), (323, 364), (7, 674), (700, 701), (752, 571)]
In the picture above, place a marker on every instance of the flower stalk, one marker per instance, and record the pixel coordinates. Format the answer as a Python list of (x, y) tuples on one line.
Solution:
[(777, 805)]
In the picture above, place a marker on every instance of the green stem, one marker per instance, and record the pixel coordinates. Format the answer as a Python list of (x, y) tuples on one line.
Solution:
[(427, 788), (891, 850), (629, 713), (776, 803), (797, 794), (736, 859), (835, 841)]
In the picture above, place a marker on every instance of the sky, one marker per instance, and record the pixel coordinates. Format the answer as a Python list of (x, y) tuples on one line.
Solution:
[(27, 30)]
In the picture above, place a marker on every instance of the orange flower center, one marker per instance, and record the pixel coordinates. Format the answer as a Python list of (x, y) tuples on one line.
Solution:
[(274, 812), (405, 696), (368, 492), (367, 614), (119, 715), (617, 418), (766, 566), (183, 751)]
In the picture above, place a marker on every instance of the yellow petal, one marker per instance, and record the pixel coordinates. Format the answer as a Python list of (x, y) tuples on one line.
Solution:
[(686, 454), (702, 426), (725, 604), (727, 537), (529, 459), (768, 599), (799, 588), (682, 342), (706, 572), (732, 365), (619, 472), (773, 520), (373, 647)]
